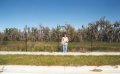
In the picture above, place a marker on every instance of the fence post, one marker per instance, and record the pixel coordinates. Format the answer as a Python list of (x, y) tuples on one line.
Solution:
[(91, 37), (26, 37)]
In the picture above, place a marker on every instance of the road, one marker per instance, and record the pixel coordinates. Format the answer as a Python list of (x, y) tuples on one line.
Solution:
[(22, 69), (60, 53)]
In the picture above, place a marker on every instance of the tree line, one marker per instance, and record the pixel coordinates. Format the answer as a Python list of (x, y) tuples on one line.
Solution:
[(100, 30)]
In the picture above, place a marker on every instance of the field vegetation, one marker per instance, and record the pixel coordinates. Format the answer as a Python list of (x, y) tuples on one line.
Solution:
[(83, 46), (101, 35)]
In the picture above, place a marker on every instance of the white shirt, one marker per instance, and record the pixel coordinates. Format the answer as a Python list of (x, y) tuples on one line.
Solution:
[(64, 41)]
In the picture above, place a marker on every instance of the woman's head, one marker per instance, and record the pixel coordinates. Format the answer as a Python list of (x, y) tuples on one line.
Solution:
[(65, 35)]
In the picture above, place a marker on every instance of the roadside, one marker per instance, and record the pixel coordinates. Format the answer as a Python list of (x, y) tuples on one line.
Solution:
[(54, 69), (59, 53), (23, 69)]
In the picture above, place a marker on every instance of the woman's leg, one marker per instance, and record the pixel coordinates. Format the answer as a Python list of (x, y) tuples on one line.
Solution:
[(63, 48)]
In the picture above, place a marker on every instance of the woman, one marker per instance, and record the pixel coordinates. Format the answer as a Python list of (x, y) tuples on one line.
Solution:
[(64, 43)]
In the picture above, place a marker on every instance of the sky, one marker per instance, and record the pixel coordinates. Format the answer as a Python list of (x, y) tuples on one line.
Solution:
[(18, 13)]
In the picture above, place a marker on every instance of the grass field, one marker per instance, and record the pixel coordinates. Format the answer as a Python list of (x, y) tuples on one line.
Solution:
[(58, 60), (55, 46)]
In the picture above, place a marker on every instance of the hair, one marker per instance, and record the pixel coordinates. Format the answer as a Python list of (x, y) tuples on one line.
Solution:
[(64, 33)]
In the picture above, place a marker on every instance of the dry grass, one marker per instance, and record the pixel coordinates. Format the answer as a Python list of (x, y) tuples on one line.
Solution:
[(55, 46)]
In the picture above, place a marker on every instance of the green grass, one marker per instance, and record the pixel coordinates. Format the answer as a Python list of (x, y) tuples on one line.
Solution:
[(45, 60), (55, 46)]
